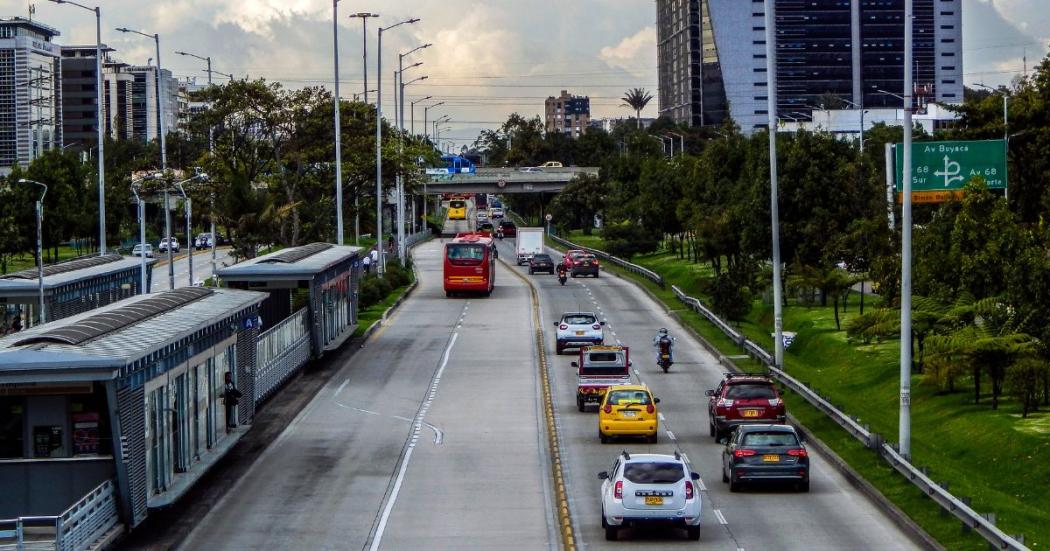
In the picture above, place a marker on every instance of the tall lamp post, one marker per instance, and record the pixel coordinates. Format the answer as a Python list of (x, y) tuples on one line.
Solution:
[(338, 130), (162, 129), (101, 126), (412, 114), (904, 426), (1006, 128), (135, 189), (774, 212), (426, 133), (364, 17), (381, 269), (211, 151), (39, 245), (211, 137), (401, 143), (189, 216)]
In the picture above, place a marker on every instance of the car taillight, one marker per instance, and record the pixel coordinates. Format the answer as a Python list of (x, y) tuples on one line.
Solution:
[(563, 327), (650, 409), (724, 403), (743, 453), (618, 490), (775, 402), (801, 452), (607, 408), (596, 327), (688, 489)]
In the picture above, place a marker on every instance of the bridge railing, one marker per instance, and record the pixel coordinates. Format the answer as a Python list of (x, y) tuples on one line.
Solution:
[(280, 352), (78, 528)]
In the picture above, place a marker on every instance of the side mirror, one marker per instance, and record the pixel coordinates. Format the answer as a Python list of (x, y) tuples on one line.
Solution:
[(694, 476), (603, 475), (709, 393), (555, 324), (630, 363), (601, 323), (575, 364), (656, 400)]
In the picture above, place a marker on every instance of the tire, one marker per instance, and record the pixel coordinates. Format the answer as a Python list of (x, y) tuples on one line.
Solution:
[(602, 437), (596, 275), (612, 533), (725, 478), (558, 349), (692, 533), (803, 486), (580, 403), (448, 294), (734, 485), (665, 367), (574, 275), (653, 438), (530, 270), (711, 429)]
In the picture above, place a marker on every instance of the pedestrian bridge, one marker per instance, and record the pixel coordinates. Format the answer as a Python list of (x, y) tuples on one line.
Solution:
[(505, 180)]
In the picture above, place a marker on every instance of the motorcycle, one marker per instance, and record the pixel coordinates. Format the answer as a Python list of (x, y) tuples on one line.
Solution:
[(562, 277), (664, 360)]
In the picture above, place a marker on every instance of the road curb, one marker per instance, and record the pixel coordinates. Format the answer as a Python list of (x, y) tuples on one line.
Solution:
[(915, 532), (561, 504), (386, 313)]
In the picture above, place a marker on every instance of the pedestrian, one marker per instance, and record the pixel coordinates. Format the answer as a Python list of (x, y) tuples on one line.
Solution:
[(231, 397), (367, 262), (16, 325), (375, 256)]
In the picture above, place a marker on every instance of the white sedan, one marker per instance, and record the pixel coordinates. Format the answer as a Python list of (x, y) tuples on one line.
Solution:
[(650, 489)]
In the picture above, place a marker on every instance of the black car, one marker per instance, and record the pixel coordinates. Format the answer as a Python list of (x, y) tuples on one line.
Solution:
[(486, 227), (541, 263), (758, 453)]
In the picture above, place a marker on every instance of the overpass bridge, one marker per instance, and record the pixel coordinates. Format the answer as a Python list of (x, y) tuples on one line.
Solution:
[(505, 180)]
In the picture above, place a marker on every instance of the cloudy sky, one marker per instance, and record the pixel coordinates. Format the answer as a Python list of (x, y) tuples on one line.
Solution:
[(489, 57)]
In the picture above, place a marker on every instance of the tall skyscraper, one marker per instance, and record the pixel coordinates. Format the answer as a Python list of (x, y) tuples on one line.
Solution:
[(568, 114), (144, 98), (30, 91), (712, 62)]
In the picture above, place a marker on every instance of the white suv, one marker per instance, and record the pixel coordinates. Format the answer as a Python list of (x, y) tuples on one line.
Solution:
[(578, 329), (650, 489), (163, 247)]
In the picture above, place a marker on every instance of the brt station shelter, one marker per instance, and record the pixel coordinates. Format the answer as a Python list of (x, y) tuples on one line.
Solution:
[(127, 398), (70, 288), (315, 286)]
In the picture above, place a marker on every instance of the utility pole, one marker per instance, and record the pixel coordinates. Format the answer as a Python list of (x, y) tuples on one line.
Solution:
[(364, 16), (338, 130), (906, 221), (771, 93)]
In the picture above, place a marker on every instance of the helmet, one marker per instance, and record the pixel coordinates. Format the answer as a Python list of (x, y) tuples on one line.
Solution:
[(663, 331)]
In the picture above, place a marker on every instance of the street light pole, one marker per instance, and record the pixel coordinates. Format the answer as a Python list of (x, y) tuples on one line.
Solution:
[(426, 133), (143, 286), (101, 127), (39, 246), (211, 133), (338, 130), (771, 93), (906, 222), (364, 16), (1006, 128), (412, 114), (189, 215), (381, 269)]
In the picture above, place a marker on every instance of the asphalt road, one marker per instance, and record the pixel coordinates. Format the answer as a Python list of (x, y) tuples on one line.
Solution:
[(430, 437), (833, 515), (201, 268)]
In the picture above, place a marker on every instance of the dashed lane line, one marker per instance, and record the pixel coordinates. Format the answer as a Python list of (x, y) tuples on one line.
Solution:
[(721, 518)]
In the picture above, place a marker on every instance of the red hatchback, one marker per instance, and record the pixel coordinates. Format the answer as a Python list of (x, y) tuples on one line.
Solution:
[(744, 399)]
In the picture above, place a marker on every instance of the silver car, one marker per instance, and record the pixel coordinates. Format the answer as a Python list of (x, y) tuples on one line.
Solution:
[(644, 489), (577, 330), (137, 250)]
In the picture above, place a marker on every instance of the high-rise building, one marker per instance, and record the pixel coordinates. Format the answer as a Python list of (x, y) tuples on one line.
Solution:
[(30, 91), (568, 114), (144, 99), (712, 58)]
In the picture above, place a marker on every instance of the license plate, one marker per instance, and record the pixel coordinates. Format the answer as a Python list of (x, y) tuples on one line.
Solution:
[(579, 333), (665, 357), (771, 458), (654, 500), (750, 413), (629, 413)]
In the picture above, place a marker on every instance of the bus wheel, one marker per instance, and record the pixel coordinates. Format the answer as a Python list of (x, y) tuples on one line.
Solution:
[(448, 294)]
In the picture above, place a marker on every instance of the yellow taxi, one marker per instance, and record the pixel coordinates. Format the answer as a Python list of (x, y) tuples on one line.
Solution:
[(628, 410)]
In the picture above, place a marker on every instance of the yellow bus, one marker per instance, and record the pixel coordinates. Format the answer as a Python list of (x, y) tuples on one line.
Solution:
[(457, 210)]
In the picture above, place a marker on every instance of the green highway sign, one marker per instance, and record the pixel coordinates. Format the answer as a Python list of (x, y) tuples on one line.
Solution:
[(945, 166)]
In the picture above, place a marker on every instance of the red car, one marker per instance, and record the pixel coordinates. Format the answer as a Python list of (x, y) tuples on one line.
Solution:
[(569, 254), (744, 399)]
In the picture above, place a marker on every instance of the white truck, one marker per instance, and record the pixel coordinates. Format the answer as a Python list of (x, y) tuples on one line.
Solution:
[(529, 241)]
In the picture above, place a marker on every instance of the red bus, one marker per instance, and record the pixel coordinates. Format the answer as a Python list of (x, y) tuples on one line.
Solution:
[(470, 264)]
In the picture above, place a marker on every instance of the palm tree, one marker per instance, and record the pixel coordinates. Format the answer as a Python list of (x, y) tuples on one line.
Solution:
[(637, 99)]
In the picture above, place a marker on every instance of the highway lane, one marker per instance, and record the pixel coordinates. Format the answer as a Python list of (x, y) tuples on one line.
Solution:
[(428, 437), (832, 516), (201, 268)]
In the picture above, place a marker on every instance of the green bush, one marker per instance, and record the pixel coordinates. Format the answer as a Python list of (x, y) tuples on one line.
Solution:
[(627, 239), (373, 290)]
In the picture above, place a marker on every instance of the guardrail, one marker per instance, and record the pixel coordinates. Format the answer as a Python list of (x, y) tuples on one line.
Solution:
[(982, 524), (280, 352), (78, 528), (633, 268)]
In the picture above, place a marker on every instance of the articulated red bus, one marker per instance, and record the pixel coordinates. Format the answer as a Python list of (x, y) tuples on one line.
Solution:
[(470, 264)]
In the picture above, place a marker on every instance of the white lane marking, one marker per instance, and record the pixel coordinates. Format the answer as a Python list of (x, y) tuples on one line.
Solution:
[(659, 416), (671, 435), (357, 409), (378, 539), (721, 518), (341, 387), (701, 485)]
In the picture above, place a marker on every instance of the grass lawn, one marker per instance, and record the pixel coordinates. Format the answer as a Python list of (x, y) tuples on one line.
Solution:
[(993, 457), (25, 261)]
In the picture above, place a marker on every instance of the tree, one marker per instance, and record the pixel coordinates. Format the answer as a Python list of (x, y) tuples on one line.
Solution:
[(637, 99), (1023, 380), (579, 201)]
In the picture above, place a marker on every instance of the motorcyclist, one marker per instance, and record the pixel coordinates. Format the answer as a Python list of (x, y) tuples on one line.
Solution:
[(499, 233), (562, 272), (660, 337)]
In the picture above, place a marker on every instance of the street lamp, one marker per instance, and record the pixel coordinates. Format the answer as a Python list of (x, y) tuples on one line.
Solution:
[(364, 17), (681, 142), (211, 138), (904, 421), (381, 269), (135, 188), (1006, 126), (401, 178), (338, 130), (189, 213), (101, 127), (227, 75), (357, 95), (426, 135), (39, 245), (774, 210), (412, 112)]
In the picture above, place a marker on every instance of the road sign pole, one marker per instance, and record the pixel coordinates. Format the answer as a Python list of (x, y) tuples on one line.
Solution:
[(891, 206)]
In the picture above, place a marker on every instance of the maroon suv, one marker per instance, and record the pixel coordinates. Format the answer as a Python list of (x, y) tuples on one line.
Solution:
[(743, 399)]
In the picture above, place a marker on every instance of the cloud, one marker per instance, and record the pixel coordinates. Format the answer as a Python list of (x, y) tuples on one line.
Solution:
[(635, 54)]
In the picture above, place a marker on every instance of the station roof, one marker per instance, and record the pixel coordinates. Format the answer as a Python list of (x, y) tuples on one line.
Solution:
[(296, 263), (101, 341), (64, 273)]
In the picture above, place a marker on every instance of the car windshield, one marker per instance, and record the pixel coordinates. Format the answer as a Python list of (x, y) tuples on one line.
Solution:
[(772, 438), (579, 319), (465, 255), (653, 472), (745, 391), (541, 258), (624, 397)]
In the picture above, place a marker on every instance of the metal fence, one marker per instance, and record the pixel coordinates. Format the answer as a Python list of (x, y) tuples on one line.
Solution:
[(982, 524), (78, 528), (633, 268), (280, 352)]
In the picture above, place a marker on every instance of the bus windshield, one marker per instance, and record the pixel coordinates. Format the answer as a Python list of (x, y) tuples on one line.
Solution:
[(456, 204), (465, 255)]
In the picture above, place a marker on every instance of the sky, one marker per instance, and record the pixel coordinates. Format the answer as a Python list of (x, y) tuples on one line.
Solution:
[(488, 58)]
